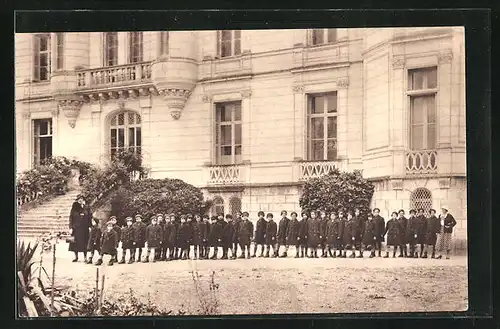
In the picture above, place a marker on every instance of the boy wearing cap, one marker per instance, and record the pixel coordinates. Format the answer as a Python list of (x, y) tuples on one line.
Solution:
[(433, 227), (94, 243), (292, 233), (369, 237), (139, 236), (379, 229), (109, 241), (281, 235), (260, 232), (323, 221), (128, 243), (244, 235), (159, 252), (412, 231), (271, 230), (403, 223), (118, 231), (422, 221), (153, 238), (313, 234), (204, 227)]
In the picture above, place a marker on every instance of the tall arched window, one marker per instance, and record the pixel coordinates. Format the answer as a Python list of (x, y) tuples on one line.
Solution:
[(125, 129), (421, 198), (218, 206), (235, 205)]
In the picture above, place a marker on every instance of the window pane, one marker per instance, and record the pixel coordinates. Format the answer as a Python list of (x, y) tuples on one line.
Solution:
[(44, 45), (432, 78), (137, 119), (226, 49), (226, 135), (416, 79), (317, 36), (417, 110), (332, 127), (417, 137), (226, 150), (237, 150), (225, 113), (332, 35), (332, 149), (318, 104), (331, 103), (317, 149), (44, 127), (237, 134), (217, 134), (113, 121), (121, 138), (431, 136), (131, 118), (226, 36), (237, 112), (121, 118), (431, 109), (45, 148), (138, 136), (317, 126), (113, 138), (131, 137)]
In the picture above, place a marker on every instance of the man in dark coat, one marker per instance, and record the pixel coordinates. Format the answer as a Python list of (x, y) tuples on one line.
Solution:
[(271, 231), (393, 230), (228, 235), (153, 238), (128, 241), (422, 230), (403, 222), (140, 235), (244, 233), (358, 226), (215, 236), (379, 229), (80, 221), (323, 220), (260, 232), (313, 234), (369, 236), (94, 243), (292, 233), (433, 227), (281, 236), (109, 241), (412, 231)]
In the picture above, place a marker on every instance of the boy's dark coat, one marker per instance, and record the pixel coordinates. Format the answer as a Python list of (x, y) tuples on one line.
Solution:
[(140, 234), (313, 232), (433, 228), (282, 227), (271, 231), (348, 233), (94, 242), (292, 232), (109, 241), (393, 230), (260, 231), (245, 232), (154, 235), (379, 227), (128, 237), (370, 233)]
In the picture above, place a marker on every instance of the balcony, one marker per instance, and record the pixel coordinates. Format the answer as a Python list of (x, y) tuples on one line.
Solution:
[(315, 169), (227, 174), (114, 76), (421, 162)]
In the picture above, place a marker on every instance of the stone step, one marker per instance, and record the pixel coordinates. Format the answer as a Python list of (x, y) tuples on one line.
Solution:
[(42, 229), (42, 223)]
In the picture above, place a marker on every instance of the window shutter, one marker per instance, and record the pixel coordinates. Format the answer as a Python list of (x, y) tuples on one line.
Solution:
[(219, 43), (36, 58)]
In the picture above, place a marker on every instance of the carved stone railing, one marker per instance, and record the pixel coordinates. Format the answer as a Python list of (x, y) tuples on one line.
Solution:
[(224, 175), (315, 169), (421, 162), (111, 76)]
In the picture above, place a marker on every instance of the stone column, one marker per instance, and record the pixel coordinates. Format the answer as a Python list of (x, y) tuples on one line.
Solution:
[(443, 103), (246, 114), (342, 106), (397, 109)]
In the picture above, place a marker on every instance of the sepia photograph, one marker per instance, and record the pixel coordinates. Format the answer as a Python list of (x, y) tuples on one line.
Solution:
[(223, 172)]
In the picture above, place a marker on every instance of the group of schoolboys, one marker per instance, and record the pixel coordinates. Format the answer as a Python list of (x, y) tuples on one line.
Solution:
[(170, 237)]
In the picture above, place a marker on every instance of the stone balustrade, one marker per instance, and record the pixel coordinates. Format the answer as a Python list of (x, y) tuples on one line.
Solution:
[(111, 76), (421, 162)]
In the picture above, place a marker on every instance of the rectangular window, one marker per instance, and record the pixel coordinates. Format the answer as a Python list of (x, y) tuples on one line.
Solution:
[(228, 143), (42, 133), (110, 48), (322, 127), (323, 36), (422, 87), (60, 51), (135, 47), (163, 43), (41, 61), (228, 43)]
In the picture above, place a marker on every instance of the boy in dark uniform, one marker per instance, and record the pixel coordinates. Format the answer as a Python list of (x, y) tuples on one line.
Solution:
[(348, 238), (236, 222), (412, 231), (323, 221), (380, 229), (292, 233), (228, 234), (153, 238), (271, 230), (281, 236), (196, 241), (244, 234), (177, 224), (313, 234), (183, 236), (166, 246), (422, 231), (118, 231), (340, 242), (369, 236), (204, 228), (301, 243), (94, 243), (260, 232), (393, 230), (433, 228), (215, 237), (332, 234), (160, 252), (403, 222), (359, 228), (128, 242), (140, 235), (191, 224), (109, 241)]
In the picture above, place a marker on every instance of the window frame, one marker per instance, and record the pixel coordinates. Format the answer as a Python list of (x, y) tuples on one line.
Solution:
[(218, 201), (324, 35), (218, 158), (126, 126), (38, 55), (36, 160), (414, 94), (134, 42), (107, 47), (325, 115), (233, 42)]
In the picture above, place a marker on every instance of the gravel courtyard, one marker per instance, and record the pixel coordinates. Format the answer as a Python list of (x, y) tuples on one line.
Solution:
[(267, 285)]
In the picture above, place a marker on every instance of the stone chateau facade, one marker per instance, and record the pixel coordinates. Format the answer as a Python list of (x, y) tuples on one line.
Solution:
[(249, 115)]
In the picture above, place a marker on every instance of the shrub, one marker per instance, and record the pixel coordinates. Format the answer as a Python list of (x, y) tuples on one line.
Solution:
[(152, 196), (337, 190)]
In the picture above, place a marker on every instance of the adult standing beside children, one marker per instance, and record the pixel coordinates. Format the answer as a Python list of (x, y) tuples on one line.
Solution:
[(80, 221), (444, 238)]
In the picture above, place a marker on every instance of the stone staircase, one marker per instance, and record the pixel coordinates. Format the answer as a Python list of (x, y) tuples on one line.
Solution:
[(50, 216)]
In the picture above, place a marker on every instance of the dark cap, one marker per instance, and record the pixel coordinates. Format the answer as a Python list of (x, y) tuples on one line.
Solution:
[(245, 213), (269, 215), (261, 213)]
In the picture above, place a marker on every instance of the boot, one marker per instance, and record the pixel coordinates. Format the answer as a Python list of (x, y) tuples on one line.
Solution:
[(433, 255), (330, 253), (360, 254), (146, 260), (439, 257), (393, 254), (122, 261), (425, 255), (386, 254), (266, 253), (416, 254), (323, 253), (372, 254), (224, 254), (139, 255), (380, 253), (248, 254), (216, 252), (340, 253), (131, 259), (353, 255), (89, 260), (297, 253), (111, 262), (285, 255), (315, 253), (99, 262), (302, 255)]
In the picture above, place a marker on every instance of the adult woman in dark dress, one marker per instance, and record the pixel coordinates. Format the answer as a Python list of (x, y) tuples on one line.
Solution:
[(80, 221)]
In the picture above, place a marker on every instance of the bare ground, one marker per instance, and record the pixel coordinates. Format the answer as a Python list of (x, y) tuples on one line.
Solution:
[(266, 285)]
